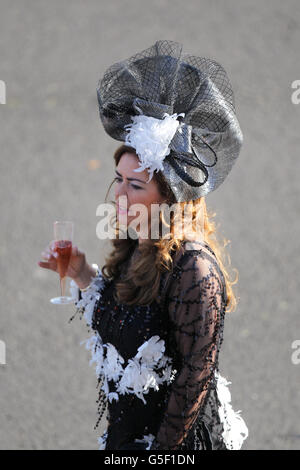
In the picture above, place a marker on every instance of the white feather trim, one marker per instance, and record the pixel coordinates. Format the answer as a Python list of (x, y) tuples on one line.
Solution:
[(89, 297), (139, 374), (235, 429), (147, 440), (138, 377), (74, 290), (151, 137), (102, 440)]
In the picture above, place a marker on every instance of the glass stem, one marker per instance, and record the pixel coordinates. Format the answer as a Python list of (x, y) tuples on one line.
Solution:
[(63, 286)]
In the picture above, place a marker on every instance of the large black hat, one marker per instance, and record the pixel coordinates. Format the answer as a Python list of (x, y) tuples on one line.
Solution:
[(178, 112)]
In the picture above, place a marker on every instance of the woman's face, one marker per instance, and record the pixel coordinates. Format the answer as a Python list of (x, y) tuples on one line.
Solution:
[(132, 188)]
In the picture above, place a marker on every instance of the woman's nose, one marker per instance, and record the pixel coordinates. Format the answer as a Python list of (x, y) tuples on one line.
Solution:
[(121, 190)]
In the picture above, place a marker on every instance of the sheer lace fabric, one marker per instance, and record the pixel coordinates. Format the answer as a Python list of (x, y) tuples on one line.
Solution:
[(157, 365), (196, 312)]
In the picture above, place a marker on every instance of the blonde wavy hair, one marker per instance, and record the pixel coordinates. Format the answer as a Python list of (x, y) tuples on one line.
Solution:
[(140, 284)]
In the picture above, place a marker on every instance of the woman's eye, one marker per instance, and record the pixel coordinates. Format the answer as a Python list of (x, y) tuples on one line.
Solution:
[(133, 185)]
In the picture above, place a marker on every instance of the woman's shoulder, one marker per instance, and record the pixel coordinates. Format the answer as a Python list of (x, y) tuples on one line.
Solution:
[(196, 248), (191, 255), (193, 261), (198, 256), (195, 269)]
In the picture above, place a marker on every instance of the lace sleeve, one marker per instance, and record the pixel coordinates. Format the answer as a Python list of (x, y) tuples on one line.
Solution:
[(195, 310)]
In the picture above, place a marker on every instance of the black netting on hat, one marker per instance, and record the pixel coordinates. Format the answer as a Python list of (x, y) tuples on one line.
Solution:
[(162, 80)]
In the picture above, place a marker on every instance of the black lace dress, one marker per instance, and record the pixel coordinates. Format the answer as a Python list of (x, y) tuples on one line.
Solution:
[(157, 365)]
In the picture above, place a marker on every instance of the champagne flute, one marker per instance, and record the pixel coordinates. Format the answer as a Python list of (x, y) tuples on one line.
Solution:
[(63, 237)]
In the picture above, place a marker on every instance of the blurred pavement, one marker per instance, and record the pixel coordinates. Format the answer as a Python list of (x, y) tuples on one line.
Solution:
[(56, 163)]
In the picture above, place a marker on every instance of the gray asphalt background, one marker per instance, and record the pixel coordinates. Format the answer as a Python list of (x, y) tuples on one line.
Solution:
[(51, 57)]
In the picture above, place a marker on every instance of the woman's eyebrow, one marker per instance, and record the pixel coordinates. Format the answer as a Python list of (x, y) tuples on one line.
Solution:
[(131, 179)]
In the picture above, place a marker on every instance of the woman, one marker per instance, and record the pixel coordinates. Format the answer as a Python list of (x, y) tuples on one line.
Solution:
[(157, 307)]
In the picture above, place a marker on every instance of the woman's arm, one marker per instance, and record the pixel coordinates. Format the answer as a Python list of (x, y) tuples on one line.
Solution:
[(86, 275), (195, 309)]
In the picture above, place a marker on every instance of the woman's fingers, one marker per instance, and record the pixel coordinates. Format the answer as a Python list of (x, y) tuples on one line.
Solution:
[(76, 251), (44, 264), (49, 256), (48, 264), (50, 251), (51, 247)]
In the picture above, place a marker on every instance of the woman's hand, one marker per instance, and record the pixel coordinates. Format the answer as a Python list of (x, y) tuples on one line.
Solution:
[(78, 270)]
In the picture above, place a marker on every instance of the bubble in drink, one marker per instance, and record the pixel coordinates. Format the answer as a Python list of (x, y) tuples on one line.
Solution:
[(64, 250)]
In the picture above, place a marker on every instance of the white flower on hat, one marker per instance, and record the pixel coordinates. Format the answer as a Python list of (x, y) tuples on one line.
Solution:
[(151, 137)]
